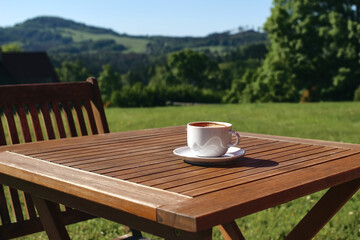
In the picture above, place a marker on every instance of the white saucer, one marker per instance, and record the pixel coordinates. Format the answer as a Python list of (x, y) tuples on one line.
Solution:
[(232, 154)]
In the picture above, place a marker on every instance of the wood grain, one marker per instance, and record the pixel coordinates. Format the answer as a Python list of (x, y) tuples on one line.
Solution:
[(231, 203), (138, 199), (157, 185)]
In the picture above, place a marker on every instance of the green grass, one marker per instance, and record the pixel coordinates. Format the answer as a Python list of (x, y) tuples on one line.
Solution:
[(326, 121), (132, 44)]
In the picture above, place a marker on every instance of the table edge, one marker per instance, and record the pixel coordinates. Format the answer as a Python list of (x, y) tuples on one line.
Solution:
[(127, 196)]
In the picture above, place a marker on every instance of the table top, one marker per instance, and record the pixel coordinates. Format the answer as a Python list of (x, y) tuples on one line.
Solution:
[(137, 172)]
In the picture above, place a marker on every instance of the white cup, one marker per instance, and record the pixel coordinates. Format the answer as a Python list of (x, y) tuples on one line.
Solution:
[(210, 139)]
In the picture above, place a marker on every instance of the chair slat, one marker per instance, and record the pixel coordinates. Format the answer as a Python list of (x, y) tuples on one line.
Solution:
[(90, 116), (9, 115), (36, 122), (4, 211), (59, 122), (98, 108), (2, 133), (70, 119), (80, 117), (29, 206), (54, 103), (25, 131), (16, 205), (45, 113)]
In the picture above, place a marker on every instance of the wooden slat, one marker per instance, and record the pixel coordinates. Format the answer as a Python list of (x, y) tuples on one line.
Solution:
[(15, 204), (45, 113), (302, 168), (90, 116), (97, 106), (228, 204), (116, 193), (234, 180), (153, 170), (70, 119), (245, 164), (2, 132), (59, 121), (133, 159), (107, 212), (130, 165), (36, 122), (80, 117), (108, 149), (254, 162), (25, 130), (35, 93), (4, 211), (9, 115), (29, 206), (88, 158), (302, 140), (56, 145), (66, 152)]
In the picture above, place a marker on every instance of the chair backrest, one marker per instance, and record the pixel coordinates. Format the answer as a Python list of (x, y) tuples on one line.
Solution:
[(37, 112)]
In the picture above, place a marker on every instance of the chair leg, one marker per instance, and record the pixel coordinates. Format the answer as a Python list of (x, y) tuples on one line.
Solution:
[(49, 213), (231, 231)]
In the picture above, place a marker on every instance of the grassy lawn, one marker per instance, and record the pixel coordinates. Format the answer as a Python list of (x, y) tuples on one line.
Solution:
[(326, 121)]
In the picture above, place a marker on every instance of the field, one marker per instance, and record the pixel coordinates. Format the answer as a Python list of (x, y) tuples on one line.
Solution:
[(132, 44), (327, 121)]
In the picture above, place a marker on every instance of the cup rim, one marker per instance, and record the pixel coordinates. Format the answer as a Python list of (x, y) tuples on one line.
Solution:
[(221, 123)]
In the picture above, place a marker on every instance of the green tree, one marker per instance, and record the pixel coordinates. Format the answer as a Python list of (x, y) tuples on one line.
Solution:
[(72, 72), (315, 47), (11, 47), (190, 68), (109, 81)]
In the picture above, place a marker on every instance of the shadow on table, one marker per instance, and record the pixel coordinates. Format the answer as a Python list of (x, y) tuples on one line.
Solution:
[(241, 162)]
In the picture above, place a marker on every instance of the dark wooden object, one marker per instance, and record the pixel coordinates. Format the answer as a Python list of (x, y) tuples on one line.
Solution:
[(38, 112), (135, 179)]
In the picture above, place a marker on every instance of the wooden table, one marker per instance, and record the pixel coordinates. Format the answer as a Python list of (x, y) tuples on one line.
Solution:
[(135, 179)]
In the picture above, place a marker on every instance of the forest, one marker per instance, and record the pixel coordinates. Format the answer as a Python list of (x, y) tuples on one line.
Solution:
[(309, 52)]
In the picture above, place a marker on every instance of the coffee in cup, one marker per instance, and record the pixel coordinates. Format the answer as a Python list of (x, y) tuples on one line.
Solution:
[(210, 139)]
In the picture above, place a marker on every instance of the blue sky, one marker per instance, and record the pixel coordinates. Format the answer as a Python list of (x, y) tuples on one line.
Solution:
[(145, 17)]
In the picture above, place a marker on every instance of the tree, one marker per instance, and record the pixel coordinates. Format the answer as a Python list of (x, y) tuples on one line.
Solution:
[(72, 72), (315, 46), (190, 68), (109, 81), (11, 47)]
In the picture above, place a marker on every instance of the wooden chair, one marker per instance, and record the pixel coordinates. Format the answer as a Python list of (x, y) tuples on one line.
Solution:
[(38, 112)]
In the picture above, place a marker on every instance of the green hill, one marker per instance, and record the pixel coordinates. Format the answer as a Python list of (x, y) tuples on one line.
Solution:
[(58, 35), (55, 34)]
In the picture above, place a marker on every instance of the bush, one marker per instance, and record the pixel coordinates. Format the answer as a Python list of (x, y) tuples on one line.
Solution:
[(357, 94), (140, 96)]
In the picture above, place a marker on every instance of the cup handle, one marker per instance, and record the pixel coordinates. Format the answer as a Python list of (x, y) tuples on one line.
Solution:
[(237, 138)]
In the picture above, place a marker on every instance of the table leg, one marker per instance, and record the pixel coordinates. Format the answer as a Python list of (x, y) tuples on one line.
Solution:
[(231, 231), (49, 213), (324, 210)]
